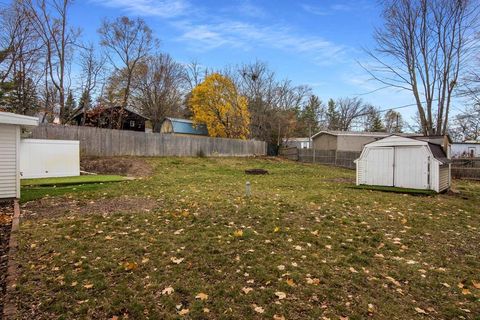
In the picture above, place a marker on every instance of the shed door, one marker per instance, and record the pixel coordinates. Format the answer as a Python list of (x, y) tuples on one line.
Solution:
[(411, 167), (379, 166)]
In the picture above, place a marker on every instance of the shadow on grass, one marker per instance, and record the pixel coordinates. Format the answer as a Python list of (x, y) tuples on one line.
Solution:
[(415, 192)]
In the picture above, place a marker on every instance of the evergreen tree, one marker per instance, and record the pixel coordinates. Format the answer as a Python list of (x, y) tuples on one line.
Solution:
[(70, 108), (333, 118), (309, 117), (373, 121), (85, 104)]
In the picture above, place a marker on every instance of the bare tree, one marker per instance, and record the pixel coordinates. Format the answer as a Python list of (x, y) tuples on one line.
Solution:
[(20, 67), (466, 125), (128, 42), (194, 74), (50, 19), (159, 85), (259, 85), (348, 110), (423, 47), (92, 67), (393, 121)]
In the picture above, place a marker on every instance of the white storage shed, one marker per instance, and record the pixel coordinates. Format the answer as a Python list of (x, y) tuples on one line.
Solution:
[(10, 125), (405, 163)]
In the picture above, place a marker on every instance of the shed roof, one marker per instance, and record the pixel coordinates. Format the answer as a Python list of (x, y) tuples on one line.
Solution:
[(186, 126), (17, 119), (400, 140), (352, 133), (438, 153)]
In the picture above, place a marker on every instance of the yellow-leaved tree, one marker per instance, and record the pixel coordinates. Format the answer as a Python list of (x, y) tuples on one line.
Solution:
[(217, 103)]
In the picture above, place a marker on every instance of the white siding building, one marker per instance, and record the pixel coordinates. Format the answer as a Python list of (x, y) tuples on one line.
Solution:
[(405, 163), (10, 125)]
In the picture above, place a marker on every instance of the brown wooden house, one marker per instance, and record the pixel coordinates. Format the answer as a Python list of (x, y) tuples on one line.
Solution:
[(108, 118)]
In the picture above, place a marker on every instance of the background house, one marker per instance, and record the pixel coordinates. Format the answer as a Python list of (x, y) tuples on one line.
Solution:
[(470, 149), (183, 127), (107, 118), (345, 140), (301, 143)]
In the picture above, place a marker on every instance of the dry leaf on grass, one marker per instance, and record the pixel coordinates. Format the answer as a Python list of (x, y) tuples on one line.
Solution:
[(167, 291), (183, 312), (313, 281), (238, 233), (476, 284), (280, 295), (129, 266), (88, 285), (246, 290), (258, 309), (371, 308), (290, 282), (176, 260), (201, 296), (278, 317), (420, 310)]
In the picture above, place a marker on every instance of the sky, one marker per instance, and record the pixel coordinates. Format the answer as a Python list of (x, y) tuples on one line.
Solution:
[(317, 43)]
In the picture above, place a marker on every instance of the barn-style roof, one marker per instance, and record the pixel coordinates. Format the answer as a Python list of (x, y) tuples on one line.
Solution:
[(185, 126), (396, 140)]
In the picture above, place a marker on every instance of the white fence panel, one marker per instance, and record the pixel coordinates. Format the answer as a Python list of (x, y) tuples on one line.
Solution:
[(41, 158)]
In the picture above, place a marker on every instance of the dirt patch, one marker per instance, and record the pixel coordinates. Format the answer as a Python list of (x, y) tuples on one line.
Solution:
[(6, 214), (55, 207), (126, 166)]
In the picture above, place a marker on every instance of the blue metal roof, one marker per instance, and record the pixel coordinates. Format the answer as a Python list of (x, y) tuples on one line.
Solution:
[(188, 127)]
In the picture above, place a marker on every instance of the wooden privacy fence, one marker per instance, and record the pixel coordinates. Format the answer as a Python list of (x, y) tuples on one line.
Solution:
[(332, 157), (107, 142), (466, 168)]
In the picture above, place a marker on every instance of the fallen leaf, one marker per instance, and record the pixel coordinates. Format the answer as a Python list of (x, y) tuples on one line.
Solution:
[(168, 291), (238, 233), (465, 291), (446, 285), (176, 260), (129, 266), (278, 317), (395, 282), (74, 283), (88, 285), (290, 282), (246, 290), (183, 312), (313, 281), (281, 267), (206, 310), (276, 229), (420, 310), (352, 270), (202, 296), (280, 295), (476, 284), (108, 238), (258, 309), (371, 308)]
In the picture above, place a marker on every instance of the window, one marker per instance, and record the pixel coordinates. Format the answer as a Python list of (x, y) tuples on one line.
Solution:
[(132, 124)]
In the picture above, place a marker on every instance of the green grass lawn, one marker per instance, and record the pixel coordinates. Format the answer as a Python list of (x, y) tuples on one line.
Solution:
[(305, 245), (33, 189)]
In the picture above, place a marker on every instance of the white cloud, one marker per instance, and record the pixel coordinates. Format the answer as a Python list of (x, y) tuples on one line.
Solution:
[(159, 8), (329, 9), (247, 35)]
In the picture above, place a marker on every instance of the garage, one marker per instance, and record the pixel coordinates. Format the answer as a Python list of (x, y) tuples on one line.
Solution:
[(404, 162), (10, 130)]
